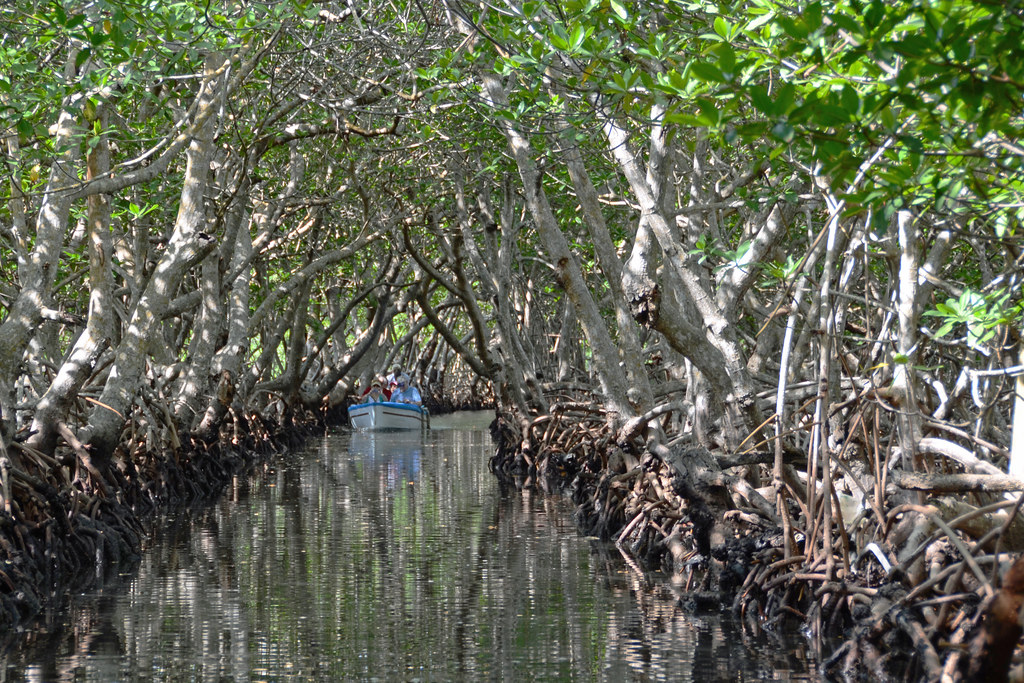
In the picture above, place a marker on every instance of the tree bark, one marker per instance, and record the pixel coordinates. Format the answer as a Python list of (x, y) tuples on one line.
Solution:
[(904, 376), (630, 352), (1017, 436), (38, 271), (507, 338), (610, 375), (226, 364), (188, 245), (716, 351), (53, 407)]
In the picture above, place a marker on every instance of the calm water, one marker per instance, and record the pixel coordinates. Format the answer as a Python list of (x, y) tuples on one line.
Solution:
[(389, 557)]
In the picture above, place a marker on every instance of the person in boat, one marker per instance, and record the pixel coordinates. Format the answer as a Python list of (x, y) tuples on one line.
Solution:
[(391, 380), (375, 394), (369, 388), (406, 391)]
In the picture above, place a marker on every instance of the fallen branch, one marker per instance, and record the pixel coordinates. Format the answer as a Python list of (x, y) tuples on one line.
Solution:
[(956, 483), (958, 453)]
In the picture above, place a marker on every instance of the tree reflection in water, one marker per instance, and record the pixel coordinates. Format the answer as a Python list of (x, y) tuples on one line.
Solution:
[(393, 557)]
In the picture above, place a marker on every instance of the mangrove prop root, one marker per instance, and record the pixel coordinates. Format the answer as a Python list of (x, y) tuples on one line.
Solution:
[(908, 588), (55, 537)]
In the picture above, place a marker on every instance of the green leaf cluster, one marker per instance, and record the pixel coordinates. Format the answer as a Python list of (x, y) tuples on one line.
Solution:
[(981, 314)]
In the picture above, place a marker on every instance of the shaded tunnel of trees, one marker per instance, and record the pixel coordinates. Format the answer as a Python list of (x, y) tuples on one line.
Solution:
[(744, 276)]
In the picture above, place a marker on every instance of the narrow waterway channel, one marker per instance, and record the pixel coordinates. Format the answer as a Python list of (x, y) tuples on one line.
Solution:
[(390, 557)]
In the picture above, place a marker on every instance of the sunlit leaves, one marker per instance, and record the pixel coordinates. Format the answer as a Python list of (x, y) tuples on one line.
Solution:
[(982, 315)]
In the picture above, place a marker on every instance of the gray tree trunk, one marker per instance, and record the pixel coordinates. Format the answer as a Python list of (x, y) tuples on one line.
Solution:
[(630, 351), (715, 350), (226, 364), (188, 245), (76, 369), (38, 270), (904, 382), (612, 378)]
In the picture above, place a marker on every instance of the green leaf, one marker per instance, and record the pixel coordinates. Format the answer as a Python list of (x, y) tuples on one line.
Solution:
[(784, 98), (874, 15), (722, 27), (707, 72), (726, 58), (677, 80), (710, 111), (783, 131), (759, 98), (795, 29), (812, 16), (578, 36), (759, 21), (82, 57), (849, 100), (559, 42), (24, 128), (685, 120)]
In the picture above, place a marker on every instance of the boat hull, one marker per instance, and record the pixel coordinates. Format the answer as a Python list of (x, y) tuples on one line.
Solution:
[(387, 415)]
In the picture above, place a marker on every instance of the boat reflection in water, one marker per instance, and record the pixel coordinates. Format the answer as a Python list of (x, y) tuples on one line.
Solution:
[(398, 452)]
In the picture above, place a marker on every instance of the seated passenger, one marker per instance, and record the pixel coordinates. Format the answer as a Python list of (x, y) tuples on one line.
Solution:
[(391, 380), (406, 392), (375, 394)]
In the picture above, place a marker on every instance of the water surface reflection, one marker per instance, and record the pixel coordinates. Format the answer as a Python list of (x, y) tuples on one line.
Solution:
[(389, 557)]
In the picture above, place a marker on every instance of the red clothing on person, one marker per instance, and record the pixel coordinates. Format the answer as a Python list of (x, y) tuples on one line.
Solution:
[(385, 390)]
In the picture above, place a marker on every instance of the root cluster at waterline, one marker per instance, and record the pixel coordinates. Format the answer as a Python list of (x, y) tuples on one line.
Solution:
[(62, 525), (919, 577)]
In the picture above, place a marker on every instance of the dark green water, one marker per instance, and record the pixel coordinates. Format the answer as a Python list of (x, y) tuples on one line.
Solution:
[(393, 558)]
